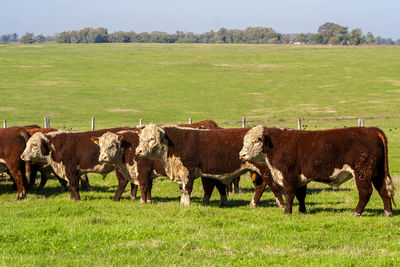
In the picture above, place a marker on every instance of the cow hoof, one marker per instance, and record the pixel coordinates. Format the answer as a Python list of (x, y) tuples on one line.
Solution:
[(142, 202), (132, 198), (387, 214), (21, 196), (205, 201), (356, 214), (252, 205), (148, 201), (280, 206)]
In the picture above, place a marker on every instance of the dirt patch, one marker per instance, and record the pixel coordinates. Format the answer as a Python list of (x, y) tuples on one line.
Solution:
[(327, 86), (261, 66), (6, 108), (394, 82), (122, 110)]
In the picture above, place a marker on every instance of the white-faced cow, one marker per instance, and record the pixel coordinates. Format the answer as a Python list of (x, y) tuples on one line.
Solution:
[(187, 154), (70, 155), (119, 149), (296, 158)]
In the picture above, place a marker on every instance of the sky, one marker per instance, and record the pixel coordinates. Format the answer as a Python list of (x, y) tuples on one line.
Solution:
[(48, 17)]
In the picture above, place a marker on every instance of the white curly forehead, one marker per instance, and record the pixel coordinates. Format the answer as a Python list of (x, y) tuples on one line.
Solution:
[(37, 137), (254, 133), (108, 136), (151, 130)]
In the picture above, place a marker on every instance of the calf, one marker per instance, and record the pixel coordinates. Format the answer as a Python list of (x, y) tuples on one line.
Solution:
[(189, 153), (69, 154), (119, 149), (296, 158), (12, 143)]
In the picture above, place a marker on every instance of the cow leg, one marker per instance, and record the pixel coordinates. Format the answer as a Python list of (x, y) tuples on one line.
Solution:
[(186, 191), (259, 184), (122, 182), (379, 184), (222, 189), (18, 176), (290, 192), (276, 190), (301, 196), (33, 175), (145, 183), (43, 179), (73, 178), (208, 187), (63, 183), (236, 185), (364, 193), (134, 189), (85, 185)]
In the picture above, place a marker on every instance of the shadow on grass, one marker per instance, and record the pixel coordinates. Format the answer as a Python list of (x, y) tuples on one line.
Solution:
[(309, 190), (366, 213)]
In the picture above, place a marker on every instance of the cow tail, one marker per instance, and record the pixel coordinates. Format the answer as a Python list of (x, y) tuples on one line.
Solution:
[(26, 136), (388, 180)]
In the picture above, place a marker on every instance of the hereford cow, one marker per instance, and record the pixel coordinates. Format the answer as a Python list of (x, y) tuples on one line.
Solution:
[(70, 155), (119, 150), (12, 143), (296, 158), (190, 153)]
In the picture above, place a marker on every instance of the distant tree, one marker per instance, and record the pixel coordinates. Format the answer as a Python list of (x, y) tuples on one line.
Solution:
[(223, 36), (356, 37), (397, 42), (369, 38), (63, 37), (144, 37), (119, 37), (302, 38), (40, 39), (27, 38), (333, 34), (9, 38), (316, 39)]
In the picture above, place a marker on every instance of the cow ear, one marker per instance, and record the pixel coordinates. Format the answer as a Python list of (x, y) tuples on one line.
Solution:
[(44, 148), (120, 138), (267, 142), (95, 139)]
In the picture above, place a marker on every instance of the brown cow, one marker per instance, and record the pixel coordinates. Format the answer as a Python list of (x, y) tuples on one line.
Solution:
[(119, 149), (190, 153), (12, 143), (296, 158), (70, 155)]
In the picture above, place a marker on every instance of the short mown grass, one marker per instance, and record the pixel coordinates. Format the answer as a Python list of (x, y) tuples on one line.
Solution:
[(168, 83)]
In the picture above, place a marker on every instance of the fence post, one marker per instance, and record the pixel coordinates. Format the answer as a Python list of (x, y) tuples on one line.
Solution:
[(361, 122), (4, 123), (190, 120), (140, 122), (93, 123), (243, 122), (46, 123), (299, 123)]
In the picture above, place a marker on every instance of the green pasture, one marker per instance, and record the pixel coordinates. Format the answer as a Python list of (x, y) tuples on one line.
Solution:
[(119, 84)]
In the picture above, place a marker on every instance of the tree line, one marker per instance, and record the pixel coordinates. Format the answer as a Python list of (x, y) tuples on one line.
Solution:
[(328, 33)]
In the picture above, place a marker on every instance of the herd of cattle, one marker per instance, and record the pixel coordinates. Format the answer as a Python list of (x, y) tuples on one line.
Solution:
[(284, 159)]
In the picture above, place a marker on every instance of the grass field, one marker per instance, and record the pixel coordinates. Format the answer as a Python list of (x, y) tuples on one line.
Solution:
[(274, 85)]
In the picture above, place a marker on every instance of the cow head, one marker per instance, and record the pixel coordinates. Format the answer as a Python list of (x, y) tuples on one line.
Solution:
[(37, 148), (255, 143), (110, 147), (152, 142)]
